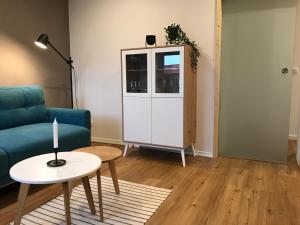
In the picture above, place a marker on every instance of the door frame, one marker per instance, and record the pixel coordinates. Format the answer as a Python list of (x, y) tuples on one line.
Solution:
[(218, 45)]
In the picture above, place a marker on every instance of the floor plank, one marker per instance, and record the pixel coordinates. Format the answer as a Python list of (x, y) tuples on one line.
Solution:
[(208, 191)]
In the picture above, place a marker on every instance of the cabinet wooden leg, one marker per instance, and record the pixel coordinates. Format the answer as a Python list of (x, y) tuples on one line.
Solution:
[(67, 203), (100, 195), (114, 176), (88, 193), (182, 157), (125, 150), (24, 188)]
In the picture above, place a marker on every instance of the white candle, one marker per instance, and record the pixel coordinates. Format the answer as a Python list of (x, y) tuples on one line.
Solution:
[(55, 134)]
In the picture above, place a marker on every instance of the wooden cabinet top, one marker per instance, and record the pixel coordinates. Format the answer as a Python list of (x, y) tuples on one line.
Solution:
[(166, 46)]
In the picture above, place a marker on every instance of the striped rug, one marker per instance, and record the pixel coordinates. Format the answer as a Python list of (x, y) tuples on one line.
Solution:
[(135, 205)]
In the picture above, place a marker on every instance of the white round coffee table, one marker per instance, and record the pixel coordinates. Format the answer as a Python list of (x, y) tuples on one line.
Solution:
[(34, 170)]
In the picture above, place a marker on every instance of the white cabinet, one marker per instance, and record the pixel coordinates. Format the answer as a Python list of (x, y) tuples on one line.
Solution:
[(136, 69), (167, 124), (137, 125), (159, 98), (168, 72)]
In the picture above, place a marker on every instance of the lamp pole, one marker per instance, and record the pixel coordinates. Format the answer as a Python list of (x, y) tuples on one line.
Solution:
[(71, 80), (42, 42), (69, 62)]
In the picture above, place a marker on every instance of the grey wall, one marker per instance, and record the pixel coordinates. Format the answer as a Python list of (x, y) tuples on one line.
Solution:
[(21, 62)]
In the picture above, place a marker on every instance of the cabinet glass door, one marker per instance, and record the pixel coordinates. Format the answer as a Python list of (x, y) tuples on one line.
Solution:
[(168, 71), (136, 75)]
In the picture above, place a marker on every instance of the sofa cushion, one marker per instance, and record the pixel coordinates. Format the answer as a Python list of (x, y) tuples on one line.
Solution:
[(3, 163), (26, 141), (21, 106)]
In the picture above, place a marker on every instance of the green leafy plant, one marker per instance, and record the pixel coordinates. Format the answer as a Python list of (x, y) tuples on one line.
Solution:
[(175, 35)]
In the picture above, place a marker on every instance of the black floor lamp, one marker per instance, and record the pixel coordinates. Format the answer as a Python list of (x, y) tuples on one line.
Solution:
[(42, 42)]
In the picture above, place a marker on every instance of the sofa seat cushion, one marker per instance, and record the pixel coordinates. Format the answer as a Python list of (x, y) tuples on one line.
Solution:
[(30, 140), (3, 163)]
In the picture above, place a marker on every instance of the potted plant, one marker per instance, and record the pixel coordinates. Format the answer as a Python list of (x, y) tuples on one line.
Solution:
[(175, 35)]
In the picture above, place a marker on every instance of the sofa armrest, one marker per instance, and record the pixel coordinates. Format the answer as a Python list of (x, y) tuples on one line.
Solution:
[(79, 117)]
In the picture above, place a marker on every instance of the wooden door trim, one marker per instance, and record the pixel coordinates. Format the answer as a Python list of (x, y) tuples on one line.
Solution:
[(218, 42)]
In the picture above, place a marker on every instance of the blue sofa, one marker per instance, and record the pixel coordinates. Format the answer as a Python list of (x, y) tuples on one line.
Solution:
[(26, 127)]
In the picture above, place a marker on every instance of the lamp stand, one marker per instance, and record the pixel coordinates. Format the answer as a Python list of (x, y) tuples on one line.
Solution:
[(69, 62), (71, 79)]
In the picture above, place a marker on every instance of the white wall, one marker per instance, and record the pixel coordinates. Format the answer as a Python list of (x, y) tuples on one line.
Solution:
[(295, 102), (100, 28)]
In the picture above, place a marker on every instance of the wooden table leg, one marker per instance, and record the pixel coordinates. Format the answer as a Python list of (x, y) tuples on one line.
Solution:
[(100, 194), (67, 202), (88, 193), (24, 188), (71, 185), (114, 176)]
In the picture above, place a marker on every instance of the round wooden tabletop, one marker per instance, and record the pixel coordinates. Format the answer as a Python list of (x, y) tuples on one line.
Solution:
[(106, 153)]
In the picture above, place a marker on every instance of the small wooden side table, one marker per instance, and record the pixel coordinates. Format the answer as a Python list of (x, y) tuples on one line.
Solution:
[(107, 154)]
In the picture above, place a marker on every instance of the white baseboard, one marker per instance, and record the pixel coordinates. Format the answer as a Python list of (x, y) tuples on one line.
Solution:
[(120, 142), (293, 137), (204, 154), (108, 141)]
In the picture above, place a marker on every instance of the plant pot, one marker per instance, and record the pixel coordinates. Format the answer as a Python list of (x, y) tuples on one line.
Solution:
[(151, 39)]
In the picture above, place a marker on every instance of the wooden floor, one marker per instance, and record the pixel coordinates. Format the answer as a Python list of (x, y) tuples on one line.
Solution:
[(218, 191)]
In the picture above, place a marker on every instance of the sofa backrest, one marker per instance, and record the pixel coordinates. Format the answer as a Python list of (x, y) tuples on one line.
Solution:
[(21, 106)]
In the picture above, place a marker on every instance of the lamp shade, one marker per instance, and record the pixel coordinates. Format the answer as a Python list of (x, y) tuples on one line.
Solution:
[(42, 41)]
